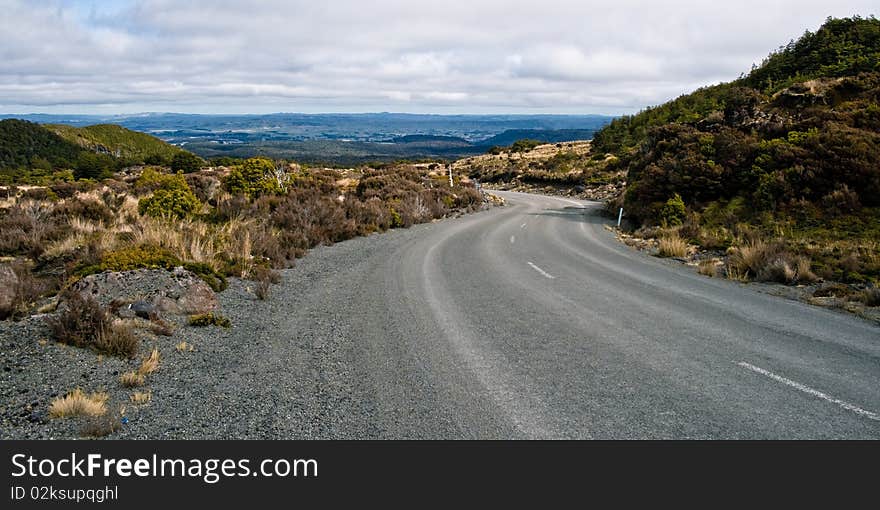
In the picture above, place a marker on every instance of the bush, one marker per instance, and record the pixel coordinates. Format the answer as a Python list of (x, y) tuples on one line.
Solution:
[(173, 199), (870, 297), (139, 257), (254, 177), (186, 162), (87, 209), (85, 323), (673, 211), (209, 319)]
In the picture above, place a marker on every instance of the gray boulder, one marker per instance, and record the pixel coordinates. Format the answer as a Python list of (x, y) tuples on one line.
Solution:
[(176, 292)]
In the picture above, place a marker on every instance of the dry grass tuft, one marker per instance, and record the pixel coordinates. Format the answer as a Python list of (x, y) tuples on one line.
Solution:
[(78, 403), (708, 267), (141, 397), (673, 246), (150, 363), (132, 379), (184, 346)]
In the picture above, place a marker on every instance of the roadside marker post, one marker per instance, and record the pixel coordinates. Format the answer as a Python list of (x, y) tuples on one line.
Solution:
[(619, 217), (450, 175)]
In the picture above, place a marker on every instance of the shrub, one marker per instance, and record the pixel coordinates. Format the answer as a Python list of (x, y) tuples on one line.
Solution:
[(209, 319), (186, 162), (673, 211), (870, 297), (100, 426), (264, 277), (837, 290), (524, 145), (138, 257), (254, 177), (673, 246), (78, 403), (87, 209), (174, 199), (85, 323)]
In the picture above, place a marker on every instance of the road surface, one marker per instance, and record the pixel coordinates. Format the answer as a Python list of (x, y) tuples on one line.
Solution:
[(532, 321)]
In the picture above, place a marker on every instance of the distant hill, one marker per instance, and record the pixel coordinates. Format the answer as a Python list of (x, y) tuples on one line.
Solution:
[(542, 135), (793, 147), (24, 144), (116, 141)]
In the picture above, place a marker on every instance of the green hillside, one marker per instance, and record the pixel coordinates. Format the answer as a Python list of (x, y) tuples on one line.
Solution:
[(789, 153), (25, 144), (117, 141)]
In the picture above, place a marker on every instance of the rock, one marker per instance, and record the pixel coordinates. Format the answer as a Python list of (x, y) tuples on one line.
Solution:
[(142, 309), (177, 292), (8, 284)]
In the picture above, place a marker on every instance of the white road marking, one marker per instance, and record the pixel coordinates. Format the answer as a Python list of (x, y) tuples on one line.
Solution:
[(543, 273), (522, 226), (810, 391), (512, 239)]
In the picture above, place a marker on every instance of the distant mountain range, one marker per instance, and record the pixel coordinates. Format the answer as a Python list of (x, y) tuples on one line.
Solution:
[(341, 138)]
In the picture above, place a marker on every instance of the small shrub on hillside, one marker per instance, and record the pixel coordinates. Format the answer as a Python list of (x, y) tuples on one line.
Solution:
[(85, 323), (254, 177), (673, 211), (139, 257), (87, 209), (870, 297), (173, 199), (264, 277), (209, 319), (837, 290), (186, 162)]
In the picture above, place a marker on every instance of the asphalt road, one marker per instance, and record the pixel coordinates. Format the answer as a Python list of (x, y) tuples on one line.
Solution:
[(532, 321)]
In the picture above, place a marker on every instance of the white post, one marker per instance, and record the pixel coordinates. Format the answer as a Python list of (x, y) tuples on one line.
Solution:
[(619, 217), (450, 175)]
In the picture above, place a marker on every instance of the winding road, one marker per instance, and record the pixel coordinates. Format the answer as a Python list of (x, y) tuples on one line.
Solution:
[(532, 321)]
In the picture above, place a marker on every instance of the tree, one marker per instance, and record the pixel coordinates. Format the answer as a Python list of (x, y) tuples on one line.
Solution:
[(186, 162), (90, 165)]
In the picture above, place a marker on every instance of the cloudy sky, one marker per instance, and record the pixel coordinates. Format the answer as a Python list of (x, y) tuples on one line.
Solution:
[(449, 56)]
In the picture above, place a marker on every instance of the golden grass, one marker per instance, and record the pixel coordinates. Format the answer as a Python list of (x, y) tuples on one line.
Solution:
[(804, 271), (672, 246), (750, 257), (132, 379), (708, 267), (150, 363), (184, 346), (78, 403), (141, 397)]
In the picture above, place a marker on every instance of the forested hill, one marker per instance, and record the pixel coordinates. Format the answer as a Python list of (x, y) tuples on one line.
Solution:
[(33, 153), (789, 153), (801, 128), (116, 140)]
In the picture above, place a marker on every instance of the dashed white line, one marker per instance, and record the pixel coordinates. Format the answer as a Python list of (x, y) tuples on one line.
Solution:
[(810, 391), (512, 239), (543, 273)]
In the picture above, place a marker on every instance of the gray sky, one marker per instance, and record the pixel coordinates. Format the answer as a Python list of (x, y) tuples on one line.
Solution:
[(449, 56)]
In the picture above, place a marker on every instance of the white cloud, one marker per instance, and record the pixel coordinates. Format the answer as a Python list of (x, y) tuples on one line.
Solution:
[(391, 55)]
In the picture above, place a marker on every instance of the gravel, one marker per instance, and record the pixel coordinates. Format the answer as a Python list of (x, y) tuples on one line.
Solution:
[(283, 370)]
